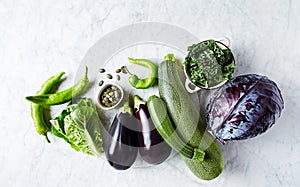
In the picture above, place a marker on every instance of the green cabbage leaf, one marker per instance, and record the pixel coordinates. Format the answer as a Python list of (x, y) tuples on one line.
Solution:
[(79, 125)]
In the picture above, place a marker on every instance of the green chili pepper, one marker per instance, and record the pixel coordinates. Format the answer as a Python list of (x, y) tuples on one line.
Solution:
[(146, 82), (63, 96), (37, 111)]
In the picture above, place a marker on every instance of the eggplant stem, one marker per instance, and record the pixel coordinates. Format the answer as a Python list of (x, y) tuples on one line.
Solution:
[(138, 102), (126, 109)]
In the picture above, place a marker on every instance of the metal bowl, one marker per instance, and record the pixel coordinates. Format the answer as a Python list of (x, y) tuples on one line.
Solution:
[(224, 44)]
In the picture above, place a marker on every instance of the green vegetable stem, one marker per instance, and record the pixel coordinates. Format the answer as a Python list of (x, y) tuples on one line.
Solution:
[(63, 96), (146, 82), (37, 111)]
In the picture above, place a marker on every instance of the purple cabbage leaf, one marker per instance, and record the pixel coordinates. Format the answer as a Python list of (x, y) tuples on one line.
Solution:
[(244, 107)]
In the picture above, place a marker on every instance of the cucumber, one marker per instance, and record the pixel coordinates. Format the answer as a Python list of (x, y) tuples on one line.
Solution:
[(160, 118), (189, 125)]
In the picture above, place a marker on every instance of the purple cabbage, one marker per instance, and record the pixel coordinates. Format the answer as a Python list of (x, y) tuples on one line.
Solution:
[(244, 107)]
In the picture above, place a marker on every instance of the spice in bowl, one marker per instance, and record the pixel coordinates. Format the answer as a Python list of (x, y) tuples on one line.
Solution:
[(110, 96)]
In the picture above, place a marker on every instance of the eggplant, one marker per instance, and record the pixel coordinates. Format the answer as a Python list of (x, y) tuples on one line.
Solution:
[(121, 145), (153, 149)]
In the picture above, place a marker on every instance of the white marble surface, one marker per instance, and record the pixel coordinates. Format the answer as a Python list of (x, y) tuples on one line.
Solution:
[(41, 38)]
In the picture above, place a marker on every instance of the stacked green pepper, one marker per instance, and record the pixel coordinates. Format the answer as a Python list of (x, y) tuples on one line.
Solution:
[(43, 97)]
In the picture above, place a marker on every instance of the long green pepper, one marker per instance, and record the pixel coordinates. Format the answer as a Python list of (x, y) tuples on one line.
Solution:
[(63, 96), (37, 111)]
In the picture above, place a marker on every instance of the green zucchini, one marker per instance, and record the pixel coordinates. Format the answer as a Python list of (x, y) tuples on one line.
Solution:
[(186, 118), (159, 115)]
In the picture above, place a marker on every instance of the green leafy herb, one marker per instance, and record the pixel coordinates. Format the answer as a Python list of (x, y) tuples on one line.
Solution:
[(208, 65), (79, 125)]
